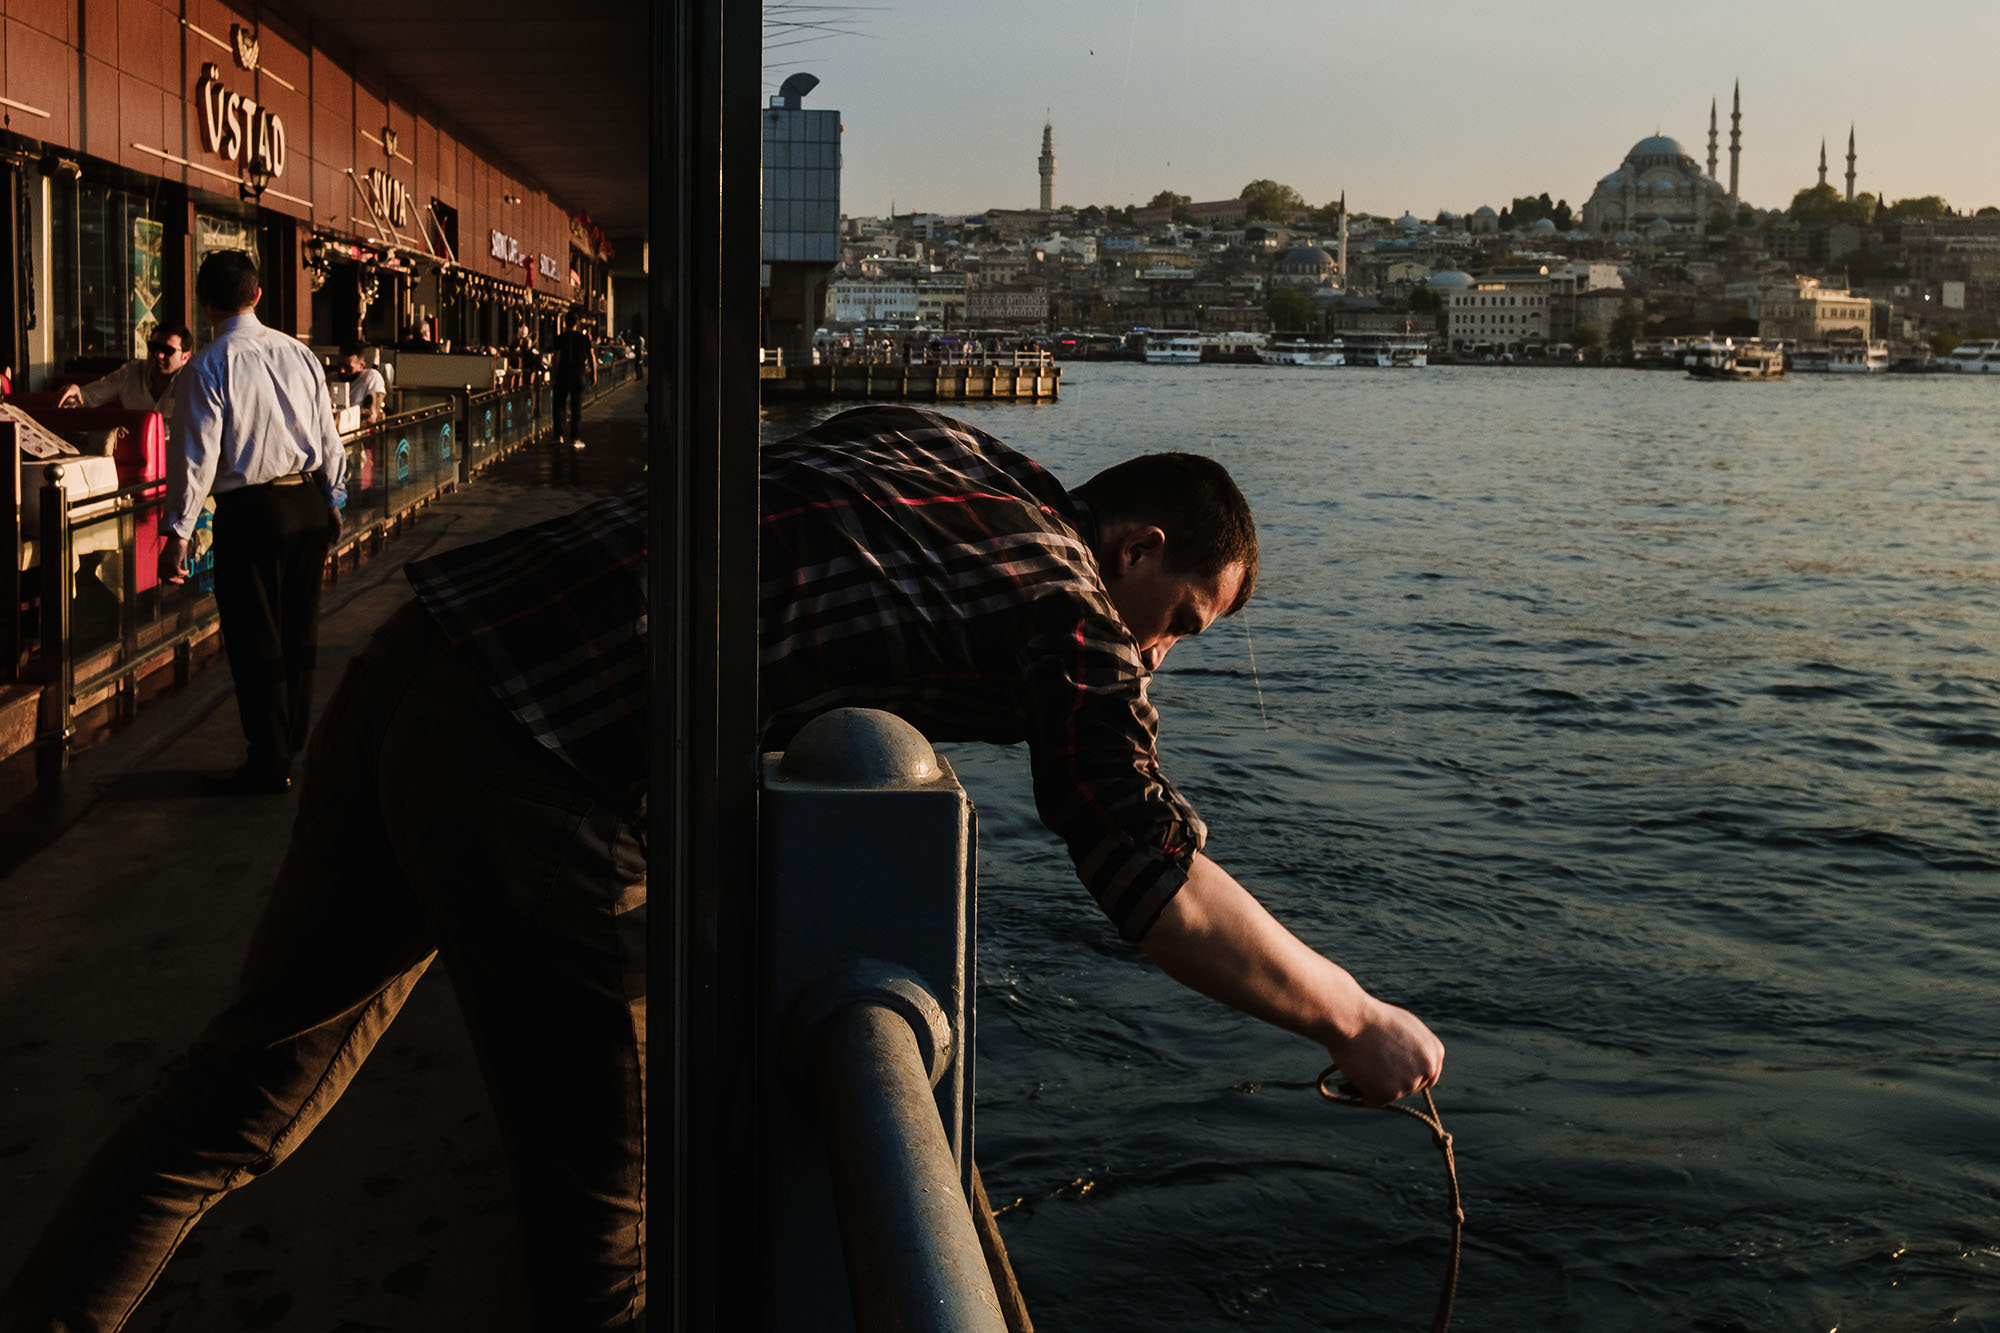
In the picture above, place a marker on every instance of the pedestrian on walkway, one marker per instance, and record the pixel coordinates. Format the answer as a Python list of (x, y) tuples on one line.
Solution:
[(575, 366), (253, 427)]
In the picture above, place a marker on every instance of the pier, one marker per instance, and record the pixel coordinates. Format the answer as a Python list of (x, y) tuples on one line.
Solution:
[(1007, 376)]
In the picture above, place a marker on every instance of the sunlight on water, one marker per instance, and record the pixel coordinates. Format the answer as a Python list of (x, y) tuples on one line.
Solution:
[(1643, 735)]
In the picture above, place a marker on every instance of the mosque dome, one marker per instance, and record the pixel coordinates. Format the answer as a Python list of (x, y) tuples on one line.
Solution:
[(1448, 280), (1307, 259), (1661, 224), (1408, 222), (1658, 145), (1446, 217), (1485, 211), (1544, 227)]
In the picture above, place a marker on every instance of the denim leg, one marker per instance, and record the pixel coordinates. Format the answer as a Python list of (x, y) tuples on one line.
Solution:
[(539, 889), (338, 948)]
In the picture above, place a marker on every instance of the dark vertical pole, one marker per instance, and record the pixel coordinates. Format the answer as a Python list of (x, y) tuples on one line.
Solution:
[(703, 262)]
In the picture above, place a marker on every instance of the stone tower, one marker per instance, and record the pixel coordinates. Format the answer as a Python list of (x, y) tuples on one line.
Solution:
[(1850, 164), (1711, 138), (1735, 144), (1048, 166), (1342, 261)]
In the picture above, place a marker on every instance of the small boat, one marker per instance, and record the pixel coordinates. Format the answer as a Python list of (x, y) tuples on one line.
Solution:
[(1858, 358), (1299, 352), (1174, 347), (1730, 359), (1386, 349), (1979, 357)]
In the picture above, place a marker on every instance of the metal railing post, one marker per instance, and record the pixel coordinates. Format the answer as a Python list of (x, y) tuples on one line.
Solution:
[(465, 436), (868, 908), (57, 723)]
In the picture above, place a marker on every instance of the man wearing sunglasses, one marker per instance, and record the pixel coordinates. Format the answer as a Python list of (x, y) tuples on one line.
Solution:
[(146, 385)]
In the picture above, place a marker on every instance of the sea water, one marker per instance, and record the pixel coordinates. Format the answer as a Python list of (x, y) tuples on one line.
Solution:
[(1641, 734)]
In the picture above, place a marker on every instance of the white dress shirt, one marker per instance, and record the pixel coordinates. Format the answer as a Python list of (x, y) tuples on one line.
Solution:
[(252, 407)]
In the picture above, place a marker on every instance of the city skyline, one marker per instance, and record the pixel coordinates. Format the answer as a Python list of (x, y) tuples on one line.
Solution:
[(944, 104)]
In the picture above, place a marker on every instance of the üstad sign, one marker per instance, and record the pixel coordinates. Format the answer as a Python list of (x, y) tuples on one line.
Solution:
[(235, 128)]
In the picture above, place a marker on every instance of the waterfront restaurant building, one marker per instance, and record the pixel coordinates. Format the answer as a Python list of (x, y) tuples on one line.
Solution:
[(136, 137), (1504, 312)]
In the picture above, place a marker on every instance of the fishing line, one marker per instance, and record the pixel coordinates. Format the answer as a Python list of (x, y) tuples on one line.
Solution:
[(1254, 677), (1346, 1096)]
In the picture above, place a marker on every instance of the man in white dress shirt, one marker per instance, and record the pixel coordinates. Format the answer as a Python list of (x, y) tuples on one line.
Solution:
[(139, 386), (256, 431)]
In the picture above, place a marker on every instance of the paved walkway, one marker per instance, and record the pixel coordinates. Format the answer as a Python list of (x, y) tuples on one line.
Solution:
[(121, 935)]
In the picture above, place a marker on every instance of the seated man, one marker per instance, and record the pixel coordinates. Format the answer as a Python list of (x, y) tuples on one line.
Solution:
[(140, 386), (477, 784), (366, 388)]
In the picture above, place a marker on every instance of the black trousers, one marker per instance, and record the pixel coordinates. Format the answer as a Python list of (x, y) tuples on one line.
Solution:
[(270, 551), (572, 395)]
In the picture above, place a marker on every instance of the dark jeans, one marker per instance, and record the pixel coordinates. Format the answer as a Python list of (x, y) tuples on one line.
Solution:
[(430, 823), (270, 552), (571, 394)]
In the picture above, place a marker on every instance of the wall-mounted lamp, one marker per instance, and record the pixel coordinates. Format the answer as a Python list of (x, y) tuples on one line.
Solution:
[(510, 198), (256, 177)]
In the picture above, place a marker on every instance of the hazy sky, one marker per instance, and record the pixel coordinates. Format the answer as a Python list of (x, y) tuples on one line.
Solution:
[(1418, 106)]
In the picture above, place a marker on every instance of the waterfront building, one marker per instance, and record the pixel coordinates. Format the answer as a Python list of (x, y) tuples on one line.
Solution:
[(800, 215), (1013, 305), (941, 301), (1503, 312), (137, 142), (1803, 311), (871, 301)]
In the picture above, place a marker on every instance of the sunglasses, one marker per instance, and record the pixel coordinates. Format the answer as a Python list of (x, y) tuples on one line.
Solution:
[(163, 349)]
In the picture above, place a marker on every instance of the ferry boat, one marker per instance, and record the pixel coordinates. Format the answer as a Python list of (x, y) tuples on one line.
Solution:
[(1869, 358), (1728, 359), (1386, 349), (1173, 347), (1837, 358), (1980, 357), (1299, 352)]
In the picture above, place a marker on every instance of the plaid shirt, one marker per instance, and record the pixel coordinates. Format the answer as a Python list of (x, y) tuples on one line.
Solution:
[(554, 618), (909, 563), (914, 564)]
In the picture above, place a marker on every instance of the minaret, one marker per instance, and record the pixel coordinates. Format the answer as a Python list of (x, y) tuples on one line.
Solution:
[(1711, 138), (1850, 164), (1735, 144), (1048, 165), (1822, 163), (1343, 240)]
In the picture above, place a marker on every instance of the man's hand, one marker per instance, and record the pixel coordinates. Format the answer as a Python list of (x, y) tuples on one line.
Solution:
[(332, 526), (72, 396), (1215, 938), (1393, 1056), (173, 559)]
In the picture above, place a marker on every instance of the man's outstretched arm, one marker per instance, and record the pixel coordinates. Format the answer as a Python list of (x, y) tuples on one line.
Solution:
[(1214, 937)]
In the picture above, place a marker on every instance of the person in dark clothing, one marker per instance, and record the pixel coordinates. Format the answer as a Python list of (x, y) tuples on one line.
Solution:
[(575, 366)]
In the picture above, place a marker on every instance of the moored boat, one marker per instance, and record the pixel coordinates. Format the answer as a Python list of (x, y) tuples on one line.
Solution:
[(1173, 347), (1386, 349), (1979, 357), (1731, 359), (1300, 352)]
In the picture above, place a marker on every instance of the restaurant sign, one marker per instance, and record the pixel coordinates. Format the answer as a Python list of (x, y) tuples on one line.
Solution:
[(550, 268), (388, 198), (236, 128), (505, 247)]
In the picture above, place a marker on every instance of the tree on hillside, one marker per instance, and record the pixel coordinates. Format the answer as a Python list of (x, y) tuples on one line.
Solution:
[(1822, 205), (1272, 202), (1587, 335), (1925, 206), (1291, 309), (1564, 218), (1626, 326)]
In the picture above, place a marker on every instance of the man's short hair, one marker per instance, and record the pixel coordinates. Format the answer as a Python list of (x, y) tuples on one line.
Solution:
[(181, 331), (1190, 498), (354, 349), (227, 281)]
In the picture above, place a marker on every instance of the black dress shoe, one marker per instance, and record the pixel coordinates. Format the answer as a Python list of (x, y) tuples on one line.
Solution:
[(246, 781)]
